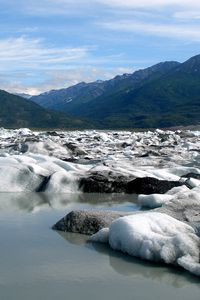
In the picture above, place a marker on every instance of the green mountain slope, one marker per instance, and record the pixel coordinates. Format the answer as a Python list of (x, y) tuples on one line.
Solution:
[(170, 100), (75, 98), (17, 112), (164, 95)]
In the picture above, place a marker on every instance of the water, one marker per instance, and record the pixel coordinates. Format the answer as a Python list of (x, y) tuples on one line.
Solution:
[(39, 263)]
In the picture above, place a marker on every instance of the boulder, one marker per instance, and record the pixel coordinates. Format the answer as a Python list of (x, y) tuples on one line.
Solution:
[(185, 207), (105, 182), (98, 182), (150, 185), (87, 221)]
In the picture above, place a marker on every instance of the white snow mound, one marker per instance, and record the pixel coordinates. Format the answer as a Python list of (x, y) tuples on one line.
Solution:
[(102, 236), (157, 237), (157, 200), (153, 200)]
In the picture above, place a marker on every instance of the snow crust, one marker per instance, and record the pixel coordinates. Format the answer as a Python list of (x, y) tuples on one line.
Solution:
[(154, 236)]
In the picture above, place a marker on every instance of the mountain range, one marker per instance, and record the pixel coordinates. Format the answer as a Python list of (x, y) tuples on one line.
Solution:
[(163, 95), (16, 112)]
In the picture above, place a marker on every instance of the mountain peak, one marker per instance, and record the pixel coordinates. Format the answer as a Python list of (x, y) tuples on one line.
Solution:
[(195, 58), (191, 65)]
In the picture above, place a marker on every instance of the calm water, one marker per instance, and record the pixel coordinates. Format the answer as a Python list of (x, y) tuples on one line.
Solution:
[(39, 263)]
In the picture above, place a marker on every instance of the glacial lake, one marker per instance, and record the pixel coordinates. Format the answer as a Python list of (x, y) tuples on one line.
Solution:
[(39, 263)]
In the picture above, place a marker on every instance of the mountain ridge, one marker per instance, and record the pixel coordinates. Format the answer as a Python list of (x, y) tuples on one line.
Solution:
[(69, 99), (164, 95), (16, 112)]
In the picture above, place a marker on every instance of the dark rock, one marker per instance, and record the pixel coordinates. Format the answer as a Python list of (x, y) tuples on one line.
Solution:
[(75, 149), (124, 145), (104, 183), (192, 175), (52, 133), (150, 185), (113, 183), (31, 138), (55, 133), (24, 148), (146, 154), (87, 222), (69, 159), (43, 185)]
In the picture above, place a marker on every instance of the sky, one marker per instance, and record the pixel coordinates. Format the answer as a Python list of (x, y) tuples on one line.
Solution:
[(52, 44)]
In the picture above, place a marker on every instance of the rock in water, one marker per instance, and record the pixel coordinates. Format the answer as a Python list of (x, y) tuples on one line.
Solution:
[(87, 222), (183, 206)]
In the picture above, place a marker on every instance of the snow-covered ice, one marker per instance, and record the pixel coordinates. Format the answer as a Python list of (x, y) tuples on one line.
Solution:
[(156, 200), (153, 200), (154, 236), (67, 156)]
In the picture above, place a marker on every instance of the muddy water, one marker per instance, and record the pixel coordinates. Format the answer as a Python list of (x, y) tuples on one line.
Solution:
[(39, 263)]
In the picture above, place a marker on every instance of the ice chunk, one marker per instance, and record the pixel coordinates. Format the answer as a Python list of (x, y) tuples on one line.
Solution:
[(153, 200), (157, 237), (193, 182), (178, 189), (157, 200), (62, 182), (18, 178), (102, 236)]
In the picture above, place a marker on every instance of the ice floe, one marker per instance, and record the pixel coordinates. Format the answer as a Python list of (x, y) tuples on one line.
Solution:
[(154, 236)]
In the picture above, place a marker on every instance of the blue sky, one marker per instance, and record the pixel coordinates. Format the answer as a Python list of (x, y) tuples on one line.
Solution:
[(51, 44)]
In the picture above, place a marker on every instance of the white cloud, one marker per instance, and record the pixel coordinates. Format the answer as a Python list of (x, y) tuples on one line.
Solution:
[(30, 66), (80, 7), (150, 3), (25, 53), (188, 32), (28, 30), (68, 7), (125, 3), (192, 15), (50, 7), (57, 79)]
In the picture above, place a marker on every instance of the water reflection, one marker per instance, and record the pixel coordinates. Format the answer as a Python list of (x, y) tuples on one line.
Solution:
[(33, 202), (129, 266)]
